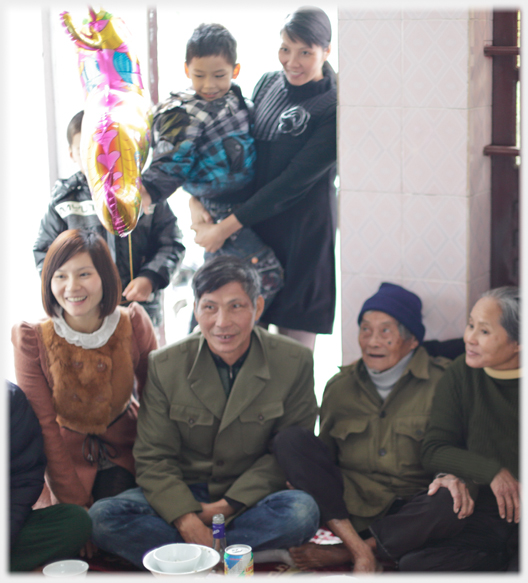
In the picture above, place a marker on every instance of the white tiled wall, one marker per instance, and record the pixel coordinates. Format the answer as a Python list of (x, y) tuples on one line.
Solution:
[(414, 116)]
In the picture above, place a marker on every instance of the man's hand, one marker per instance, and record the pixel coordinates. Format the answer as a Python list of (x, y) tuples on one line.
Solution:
[(198, 212), (462, 502), (506, 489), (212, 508), (146, 200), (193, 530), (139, 289), (89, 550)]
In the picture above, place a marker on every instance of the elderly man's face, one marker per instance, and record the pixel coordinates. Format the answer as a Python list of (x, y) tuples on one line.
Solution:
[(381, 343), (226, 318)]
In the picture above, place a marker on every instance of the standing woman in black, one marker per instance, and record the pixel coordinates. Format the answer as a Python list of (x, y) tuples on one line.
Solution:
[(293, 207)]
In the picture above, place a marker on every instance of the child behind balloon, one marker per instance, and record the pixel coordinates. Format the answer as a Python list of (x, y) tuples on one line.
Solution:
[(156, 248), (202, 141)]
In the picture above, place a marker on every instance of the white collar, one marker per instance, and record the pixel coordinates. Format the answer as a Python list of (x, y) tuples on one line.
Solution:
[(92, 340)]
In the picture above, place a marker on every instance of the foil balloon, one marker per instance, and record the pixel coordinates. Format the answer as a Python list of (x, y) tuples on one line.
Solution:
[(115, 133)]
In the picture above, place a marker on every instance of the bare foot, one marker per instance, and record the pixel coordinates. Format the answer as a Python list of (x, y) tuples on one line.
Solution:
[(366, 564), (311, 555)]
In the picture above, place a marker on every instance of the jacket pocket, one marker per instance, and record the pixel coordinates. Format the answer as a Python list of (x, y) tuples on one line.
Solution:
[(196, 426), (353, 441), (256, 424), (343, 428), (409, 433)]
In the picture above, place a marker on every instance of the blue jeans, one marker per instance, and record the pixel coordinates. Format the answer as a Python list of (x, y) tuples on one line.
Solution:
[(126, 524)]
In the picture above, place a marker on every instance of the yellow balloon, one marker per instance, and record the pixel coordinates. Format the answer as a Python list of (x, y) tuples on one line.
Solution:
[(116, 124)]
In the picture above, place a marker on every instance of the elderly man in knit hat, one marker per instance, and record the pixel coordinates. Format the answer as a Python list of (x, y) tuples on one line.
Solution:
[(365, 464)]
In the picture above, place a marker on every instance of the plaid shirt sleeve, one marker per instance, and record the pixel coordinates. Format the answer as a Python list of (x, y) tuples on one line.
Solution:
[(172, 155)]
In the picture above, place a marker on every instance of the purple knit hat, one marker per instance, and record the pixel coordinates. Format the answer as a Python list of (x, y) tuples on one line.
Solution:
[(401, 304)]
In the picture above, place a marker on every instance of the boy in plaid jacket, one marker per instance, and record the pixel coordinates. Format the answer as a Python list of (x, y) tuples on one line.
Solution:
[(201, 141)]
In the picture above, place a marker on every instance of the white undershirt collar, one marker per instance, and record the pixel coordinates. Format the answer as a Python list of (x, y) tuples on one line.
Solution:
[(384, 381)]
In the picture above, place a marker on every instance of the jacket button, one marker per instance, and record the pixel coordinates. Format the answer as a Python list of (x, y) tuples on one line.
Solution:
[(220, 463), (383, 414), (382, 452), (191, 421), (101, 366), (77, 364), (261, 417)]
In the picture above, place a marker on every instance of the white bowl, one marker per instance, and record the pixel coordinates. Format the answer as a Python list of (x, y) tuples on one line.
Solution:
[(209, 558), (177, 557), (70, 568)]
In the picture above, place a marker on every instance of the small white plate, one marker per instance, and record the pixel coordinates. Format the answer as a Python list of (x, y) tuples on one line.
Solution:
[(68, 568), (208, 559)]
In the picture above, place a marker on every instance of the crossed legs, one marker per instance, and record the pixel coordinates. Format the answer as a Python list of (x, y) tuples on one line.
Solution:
[(126, 525)]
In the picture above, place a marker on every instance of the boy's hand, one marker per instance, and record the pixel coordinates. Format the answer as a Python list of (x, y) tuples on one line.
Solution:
[(198, 212), (212, 237), (208, 236), (138, 290), (146, 201)]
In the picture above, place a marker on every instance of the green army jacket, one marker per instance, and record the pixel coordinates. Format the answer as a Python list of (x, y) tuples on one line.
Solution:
[(189, 433), (377, 443)]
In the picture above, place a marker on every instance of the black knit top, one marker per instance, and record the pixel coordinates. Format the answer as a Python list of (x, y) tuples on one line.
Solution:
[(293, 208), (287, 117), (474, 428)]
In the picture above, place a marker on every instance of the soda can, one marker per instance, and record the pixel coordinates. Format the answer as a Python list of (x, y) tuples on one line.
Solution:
[(238, 560)]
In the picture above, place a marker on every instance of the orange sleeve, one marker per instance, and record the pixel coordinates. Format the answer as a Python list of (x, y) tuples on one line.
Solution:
[(61, 475), (145, 341)]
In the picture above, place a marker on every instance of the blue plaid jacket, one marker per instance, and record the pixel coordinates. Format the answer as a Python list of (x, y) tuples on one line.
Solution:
[(204, 146)]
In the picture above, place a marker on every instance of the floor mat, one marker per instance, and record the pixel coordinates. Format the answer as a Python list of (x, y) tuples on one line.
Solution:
[(107, 563)]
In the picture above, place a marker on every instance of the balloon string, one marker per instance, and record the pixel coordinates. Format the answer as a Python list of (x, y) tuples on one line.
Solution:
[(130, 257)]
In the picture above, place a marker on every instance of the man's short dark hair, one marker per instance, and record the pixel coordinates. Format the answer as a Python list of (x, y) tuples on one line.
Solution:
[(74, 127), (211, 40), (224, 269)]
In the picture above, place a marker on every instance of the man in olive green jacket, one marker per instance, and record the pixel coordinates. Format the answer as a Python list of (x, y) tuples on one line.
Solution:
[(211, 406), (365, 463)]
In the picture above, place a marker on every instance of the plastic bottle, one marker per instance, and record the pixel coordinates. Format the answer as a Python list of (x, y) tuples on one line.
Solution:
[(219, 537)]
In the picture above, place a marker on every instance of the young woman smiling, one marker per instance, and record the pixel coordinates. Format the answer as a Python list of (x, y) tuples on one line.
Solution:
[(79, 369), (293, 208)]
